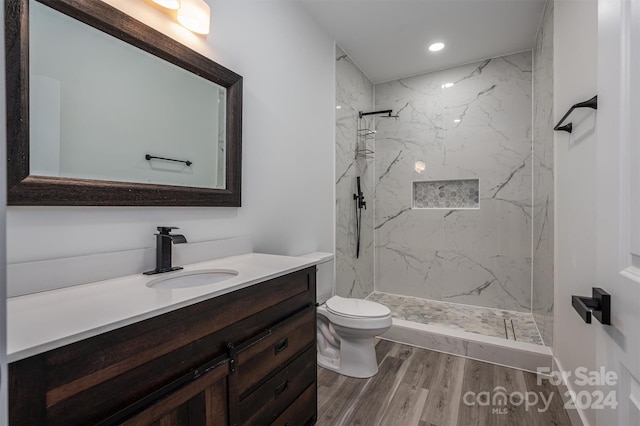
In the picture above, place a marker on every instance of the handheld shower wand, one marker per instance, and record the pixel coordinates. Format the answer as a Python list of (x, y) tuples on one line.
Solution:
[(360, 204)]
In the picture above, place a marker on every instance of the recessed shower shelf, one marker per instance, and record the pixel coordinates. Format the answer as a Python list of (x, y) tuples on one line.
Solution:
[(446, 194)]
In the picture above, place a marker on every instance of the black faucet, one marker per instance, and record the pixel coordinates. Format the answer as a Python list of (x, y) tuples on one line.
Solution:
[(163, 250)]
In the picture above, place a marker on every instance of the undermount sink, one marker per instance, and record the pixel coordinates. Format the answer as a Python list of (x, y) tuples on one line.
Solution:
[(188, 279)]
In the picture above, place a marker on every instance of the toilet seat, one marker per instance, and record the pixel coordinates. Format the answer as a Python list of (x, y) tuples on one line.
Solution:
[(356, 308)]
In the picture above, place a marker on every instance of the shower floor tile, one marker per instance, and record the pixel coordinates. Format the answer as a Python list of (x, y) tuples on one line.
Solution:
[(510, 325)]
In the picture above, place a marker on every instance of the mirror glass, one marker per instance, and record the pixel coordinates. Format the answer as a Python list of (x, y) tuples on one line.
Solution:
[(103, 109)]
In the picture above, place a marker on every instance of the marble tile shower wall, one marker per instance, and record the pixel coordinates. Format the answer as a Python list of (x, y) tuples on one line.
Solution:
[(354, 93), (479, 128), (543, 202)]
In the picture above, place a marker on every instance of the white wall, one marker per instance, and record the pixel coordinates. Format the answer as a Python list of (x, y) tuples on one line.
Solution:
[(287, 188), (575, 80)]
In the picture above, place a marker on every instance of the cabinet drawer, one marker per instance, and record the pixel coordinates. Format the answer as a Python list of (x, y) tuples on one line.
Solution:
[(271, 399), (266, 355), (301, 412)]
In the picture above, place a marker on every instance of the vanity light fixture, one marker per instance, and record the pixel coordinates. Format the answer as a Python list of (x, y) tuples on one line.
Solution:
[(436, 47), (194, 15), (169, 4)]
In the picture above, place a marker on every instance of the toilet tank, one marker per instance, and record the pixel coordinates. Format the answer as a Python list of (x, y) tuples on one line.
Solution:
[(325, 277)]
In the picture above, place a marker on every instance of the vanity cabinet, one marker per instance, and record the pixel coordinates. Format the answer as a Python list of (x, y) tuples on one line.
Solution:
[(201, 402), (246, 357)]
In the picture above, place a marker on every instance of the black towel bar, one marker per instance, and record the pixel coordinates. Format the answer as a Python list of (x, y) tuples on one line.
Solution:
[(591, 103), (150, 157)]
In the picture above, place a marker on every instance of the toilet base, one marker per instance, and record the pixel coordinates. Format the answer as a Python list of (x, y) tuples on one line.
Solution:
[(329, 363), (348, 349), (357, 358), (350, 356)]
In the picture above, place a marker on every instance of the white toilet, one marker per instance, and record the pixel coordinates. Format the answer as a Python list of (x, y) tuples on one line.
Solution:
[(346, 327)]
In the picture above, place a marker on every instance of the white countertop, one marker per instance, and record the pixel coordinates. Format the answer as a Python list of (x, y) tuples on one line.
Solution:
[(43, 321)]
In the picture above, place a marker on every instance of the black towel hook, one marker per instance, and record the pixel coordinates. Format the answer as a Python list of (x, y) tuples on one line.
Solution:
[(591, 103)]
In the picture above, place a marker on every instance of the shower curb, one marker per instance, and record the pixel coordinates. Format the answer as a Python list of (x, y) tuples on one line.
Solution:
[(521, 355)]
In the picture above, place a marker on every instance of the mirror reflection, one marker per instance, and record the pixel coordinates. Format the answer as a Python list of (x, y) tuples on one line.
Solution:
[(148, 121)]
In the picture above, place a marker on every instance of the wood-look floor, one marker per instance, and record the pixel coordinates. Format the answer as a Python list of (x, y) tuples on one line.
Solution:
[(420, 387)]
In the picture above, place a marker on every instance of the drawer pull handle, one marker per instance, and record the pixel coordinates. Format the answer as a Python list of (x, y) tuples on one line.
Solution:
[(281, 345), (283, 387)]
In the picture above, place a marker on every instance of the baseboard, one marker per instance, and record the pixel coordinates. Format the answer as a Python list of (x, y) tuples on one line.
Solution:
[(576, 415)]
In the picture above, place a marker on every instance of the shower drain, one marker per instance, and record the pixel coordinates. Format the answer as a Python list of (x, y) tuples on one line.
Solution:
[(506, 330)]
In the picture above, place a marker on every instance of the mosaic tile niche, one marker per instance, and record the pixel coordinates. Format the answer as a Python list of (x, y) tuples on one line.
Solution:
[(446, 194)]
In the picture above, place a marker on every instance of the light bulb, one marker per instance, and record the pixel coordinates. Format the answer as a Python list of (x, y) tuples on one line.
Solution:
[(195, 16)]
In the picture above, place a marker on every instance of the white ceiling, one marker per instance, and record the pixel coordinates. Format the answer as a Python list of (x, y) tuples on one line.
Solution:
[(388, 39)]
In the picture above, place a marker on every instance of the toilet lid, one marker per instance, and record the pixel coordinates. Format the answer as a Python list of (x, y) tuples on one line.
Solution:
[(358, 308)]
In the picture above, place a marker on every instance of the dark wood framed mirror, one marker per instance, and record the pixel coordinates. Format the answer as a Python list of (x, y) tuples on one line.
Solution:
[(27, 187)]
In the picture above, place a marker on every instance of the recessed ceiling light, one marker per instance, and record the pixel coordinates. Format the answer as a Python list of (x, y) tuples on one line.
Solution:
[(457, 120), (436, 46), (338, 107), (447, 85)]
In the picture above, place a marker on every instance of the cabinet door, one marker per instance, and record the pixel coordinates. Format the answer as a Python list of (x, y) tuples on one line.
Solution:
[(202, 402)]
